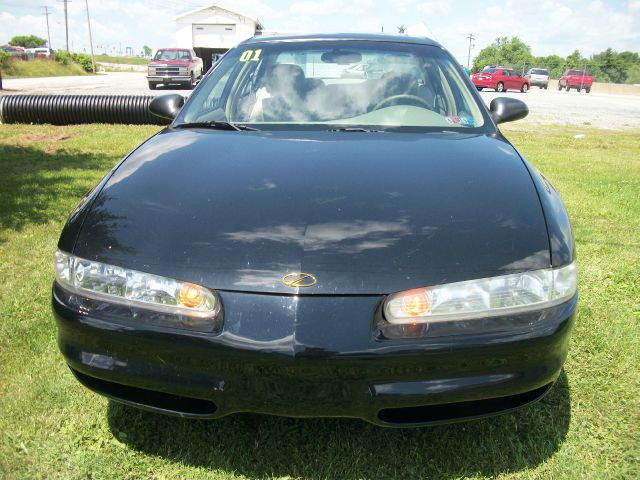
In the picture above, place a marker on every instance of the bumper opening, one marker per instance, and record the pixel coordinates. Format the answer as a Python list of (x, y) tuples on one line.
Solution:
[(151, 399), (461, 410)]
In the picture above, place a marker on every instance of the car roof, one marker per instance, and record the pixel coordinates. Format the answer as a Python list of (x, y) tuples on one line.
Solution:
[(372, 37)]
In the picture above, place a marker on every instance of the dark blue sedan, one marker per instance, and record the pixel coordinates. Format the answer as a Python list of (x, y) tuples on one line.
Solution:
[(301, 242)]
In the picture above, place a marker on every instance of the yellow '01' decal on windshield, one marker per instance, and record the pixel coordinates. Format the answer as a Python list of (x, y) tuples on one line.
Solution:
[(250, 55)]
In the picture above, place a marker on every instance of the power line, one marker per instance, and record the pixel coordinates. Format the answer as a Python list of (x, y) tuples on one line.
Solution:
[(471, 39), (46, 14), (66, 22), (93, 58)]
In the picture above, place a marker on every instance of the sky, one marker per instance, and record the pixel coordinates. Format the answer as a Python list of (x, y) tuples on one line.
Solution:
[(548, 26)]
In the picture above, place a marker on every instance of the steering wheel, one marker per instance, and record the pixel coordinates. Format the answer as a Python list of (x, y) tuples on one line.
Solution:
[(403, 98)]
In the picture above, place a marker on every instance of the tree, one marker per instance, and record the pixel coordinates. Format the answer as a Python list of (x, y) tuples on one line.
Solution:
[(27, 41), (629, 57), (576, 60), (632, 63), (147, 50), (606, 66), (633, 76), (402, 28), (553, 63), (612, 65), (505, 51)]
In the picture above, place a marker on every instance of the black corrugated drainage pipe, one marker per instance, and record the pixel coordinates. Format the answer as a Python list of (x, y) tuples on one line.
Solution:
[(75, 109)]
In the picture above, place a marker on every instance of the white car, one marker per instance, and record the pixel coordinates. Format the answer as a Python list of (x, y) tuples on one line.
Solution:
[(40, 52), (538, 77)]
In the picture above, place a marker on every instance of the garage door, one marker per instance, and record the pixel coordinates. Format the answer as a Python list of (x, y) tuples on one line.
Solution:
[(206, 35)]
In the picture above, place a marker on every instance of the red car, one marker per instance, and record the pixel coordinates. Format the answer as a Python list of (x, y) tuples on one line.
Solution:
[(500, 79), (577, 79)]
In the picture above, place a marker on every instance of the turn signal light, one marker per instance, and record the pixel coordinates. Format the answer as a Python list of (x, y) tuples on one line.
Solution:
[(190, 295), (416, 304)]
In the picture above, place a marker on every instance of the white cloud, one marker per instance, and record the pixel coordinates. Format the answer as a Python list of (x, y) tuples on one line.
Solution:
[(319, 8), (369, 24), (434, 9), (21, 25), (402, 6), (548, 26)]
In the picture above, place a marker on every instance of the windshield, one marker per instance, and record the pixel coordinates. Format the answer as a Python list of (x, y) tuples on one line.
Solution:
[(350, 83), (172, 55), (576, 72), (538, 71), (489, 70)]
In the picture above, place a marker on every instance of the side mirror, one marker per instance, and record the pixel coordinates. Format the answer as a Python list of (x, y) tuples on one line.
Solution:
[(505, 109), (166, 106)]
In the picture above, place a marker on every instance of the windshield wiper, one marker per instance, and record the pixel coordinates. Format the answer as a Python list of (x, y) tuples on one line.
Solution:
[(217, 125), (352, 129)]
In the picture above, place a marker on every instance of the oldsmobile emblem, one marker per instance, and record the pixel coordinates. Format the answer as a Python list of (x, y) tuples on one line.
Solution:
[(299, 279)]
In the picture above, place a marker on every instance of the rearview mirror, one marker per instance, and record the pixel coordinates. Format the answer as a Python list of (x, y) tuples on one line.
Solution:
[(341, 57), (505, 109), (166, 106)]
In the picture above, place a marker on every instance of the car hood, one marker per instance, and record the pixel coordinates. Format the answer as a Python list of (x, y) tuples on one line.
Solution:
[(365, 213)]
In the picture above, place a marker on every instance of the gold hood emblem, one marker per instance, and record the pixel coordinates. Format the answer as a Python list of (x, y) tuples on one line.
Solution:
[(299, 280)]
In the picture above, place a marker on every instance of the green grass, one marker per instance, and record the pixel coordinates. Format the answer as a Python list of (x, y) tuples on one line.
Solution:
[(51, 427), (122, 60), (40, 68)]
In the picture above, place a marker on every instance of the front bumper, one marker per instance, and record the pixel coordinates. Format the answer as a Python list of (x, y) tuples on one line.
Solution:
[(169, 79), (297, 359)]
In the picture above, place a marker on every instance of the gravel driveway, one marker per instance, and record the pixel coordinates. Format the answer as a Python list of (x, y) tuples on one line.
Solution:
[(111, 83), (549, 107)]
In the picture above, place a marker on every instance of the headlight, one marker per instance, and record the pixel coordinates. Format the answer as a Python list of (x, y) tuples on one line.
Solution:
[(478, 299), (112, 285)]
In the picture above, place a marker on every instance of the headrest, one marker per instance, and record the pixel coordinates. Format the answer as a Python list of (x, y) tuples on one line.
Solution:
[(284, 78)]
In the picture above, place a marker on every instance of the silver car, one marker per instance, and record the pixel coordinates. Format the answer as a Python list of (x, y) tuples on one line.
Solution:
[(538, 77)]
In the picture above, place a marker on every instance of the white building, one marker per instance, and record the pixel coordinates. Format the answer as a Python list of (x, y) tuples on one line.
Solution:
[(214, 27)]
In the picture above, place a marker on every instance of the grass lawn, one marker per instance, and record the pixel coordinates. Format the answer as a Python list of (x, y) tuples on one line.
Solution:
[(122, 60), (51, 427), (40, 68)]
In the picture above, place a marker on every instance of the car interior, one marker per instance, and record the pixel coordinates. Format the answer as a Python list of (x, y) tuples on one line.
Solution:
[(276, 89)]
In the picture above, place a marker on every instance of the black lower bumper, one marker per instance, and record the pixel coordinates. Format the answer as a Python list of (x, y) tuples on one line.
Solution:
[(315, 368), (168, 79)]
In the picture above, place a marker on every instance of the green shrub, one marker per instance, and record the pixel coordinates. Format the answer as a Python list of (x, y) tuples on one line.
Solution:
[(81, 59), (63, 57), (5, 58)]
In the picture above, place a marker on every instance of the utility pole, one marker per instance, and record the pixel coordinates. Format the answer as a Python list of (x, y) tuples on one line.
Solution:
[(46, 14), (66, 22), (471, 39), (93, 58)]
